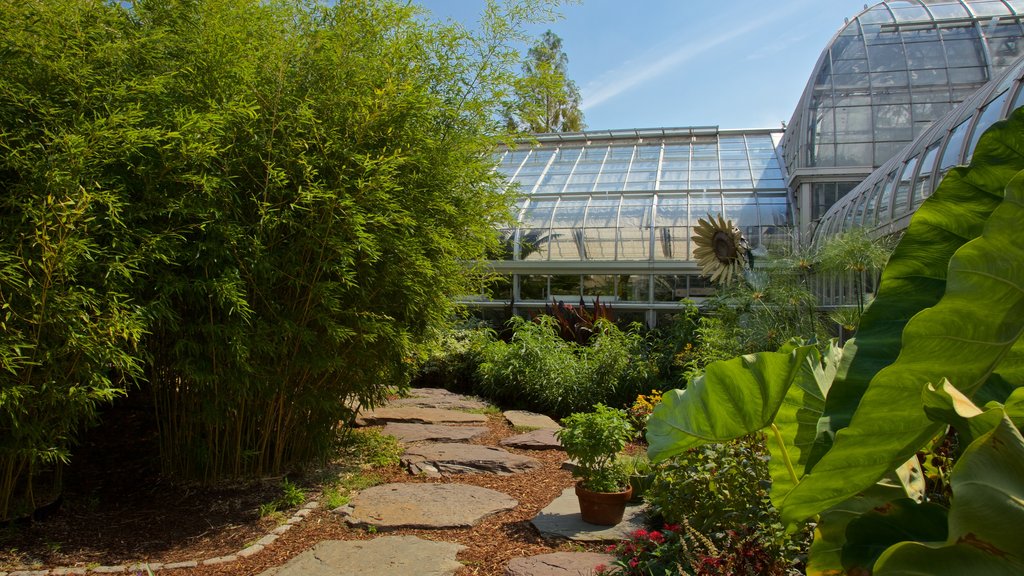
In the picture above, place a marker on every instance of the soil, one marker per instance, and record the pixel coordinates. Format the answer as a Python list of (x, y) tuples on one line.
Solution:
[(117, 509)]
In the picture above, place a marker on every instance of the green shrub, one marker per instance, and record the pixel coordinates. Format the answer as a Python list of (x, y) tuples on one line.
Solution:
[(452, 362), (541, 371), (718, 488), (69, 327)]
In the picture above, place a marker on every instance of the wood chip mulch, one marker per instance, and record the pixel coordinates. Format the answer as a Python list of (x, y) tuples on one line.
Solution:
[(164, 523)]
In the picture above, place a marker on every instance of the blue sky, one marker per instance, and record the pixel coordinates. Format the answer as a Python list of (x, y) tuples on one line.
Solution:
[(669, 63)]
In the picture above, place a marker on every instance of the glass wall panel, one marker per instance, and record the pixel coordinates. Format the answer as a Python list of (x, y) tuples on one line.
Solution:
[(535, 228), (903, 188), (498, 287), (599, 285), (533, 287), (922, 183), (634, 228), (868, 219), (670, 288), (565, 288), (599, 230), (954, 144), (988, 117), (566, 240), (885, 203), (633, 288), (672, 233)]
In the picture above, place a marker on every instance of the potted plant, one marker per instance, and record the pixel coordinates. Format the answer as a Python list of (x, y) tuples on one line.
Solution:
[(594, 440)]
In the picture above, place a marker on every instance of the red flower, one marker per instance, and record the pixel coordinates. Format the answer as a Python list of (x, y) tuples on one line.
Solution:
[(633, 562), (639, 533), (656, 537), (672, 527)]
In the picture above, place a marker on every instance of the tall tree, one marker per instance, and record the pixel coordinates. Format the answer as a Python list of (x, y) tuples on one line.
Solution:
[(546, 100)]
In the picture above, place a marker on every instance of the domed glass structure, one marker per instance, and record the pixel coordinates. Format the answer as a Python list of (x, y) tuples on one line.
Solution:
[(885, 201), (887, 75), (900, 95)]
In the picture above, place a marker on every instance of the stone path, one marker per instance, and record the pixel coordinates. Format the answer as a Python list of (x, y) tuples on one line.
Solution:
[(436, 426)]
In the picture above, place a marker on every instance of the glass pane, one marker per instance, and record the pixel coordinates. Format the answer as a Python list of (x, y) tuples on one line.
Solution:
[(633, 288), (567, 244), (634, 229), (903, 188), (599, 285), (885, 203), (533, 287), (670, 288), (951, 154), (869, 214), (988, 117), (922, 184), (565, 288)]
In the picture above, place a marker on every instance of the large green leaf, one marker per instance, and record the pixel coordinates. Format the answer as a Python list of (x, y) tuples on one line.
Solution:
[(915, 277), (964, 337), (901, 520), (733, 398), (792, 433), (986, 514), (825, 558)]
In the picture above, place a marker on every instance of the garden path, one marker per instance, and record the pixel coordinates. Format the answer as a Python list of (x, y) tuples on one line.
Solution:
[(435, 426)]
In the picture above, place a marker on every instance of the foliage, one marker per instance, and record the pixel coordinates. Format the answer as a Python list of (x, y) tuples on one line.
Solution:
[(546, 100), (680, 549), (452, 360), (291, 496), (368, 447), (965, 294), (69, 327), (283, 194), (966, 330), (641, 410), (855, 252), (718, 487), (539, 370), (576, 323), (594, 440)]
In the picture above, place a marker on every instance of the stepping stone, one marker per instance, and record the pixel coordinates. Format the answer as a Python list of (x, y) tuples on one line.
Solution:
[(418, 415), (384, 556), (530, 420), (562, 519), (558, 564), (409, 433), (432, 506), (454, 458), (438, 398), (542, 439)]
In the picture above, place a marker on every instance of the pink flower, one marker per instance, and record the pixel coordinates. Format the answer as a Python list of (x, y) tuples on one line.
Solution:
[(633, 562)]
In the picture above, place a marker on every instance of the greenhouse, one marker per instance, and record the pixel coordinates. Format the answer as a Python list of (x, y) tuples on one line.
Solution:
[(887, 75), (609, 214)]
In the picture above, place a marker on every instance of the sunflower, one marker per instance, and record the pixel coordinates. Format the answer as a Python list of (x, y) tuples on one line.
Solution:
[(721, 249)]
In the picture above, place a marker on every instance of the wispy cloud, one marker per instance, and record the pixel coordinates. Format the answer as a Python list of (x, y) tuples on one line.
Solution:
[(630, 74)]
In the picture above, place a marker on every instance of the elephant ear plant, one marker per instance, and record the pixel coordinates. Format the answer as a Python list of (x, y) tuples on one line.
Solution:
[(594, 440), (943, 335)]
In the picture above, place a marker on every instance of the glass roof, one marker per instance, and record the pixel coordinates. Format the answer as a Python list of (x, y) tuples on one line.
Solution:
[(609, 197), (886, 199), (892, 71)]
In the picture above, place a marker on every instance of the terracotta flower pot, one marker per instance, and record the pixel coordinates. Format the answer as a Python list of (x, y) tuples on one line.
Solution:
[(602, 508)]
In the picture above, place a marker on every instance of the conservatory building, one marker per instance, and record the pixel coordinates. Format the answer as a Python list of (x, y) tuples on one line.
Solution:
[(900, 95)]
